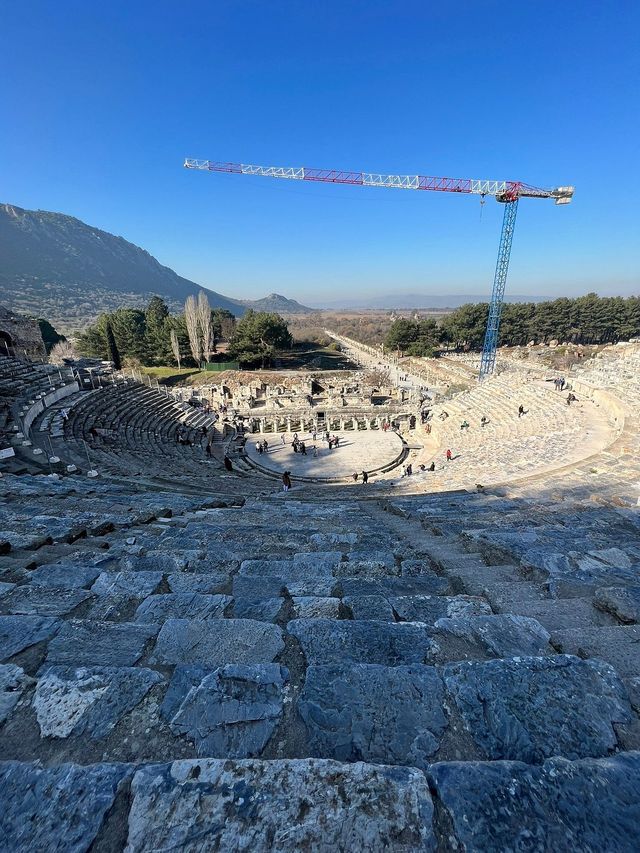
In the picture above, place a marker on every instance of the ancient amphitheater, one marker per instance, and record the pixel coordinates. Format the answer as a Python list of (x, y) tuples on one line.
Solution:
[(194, 660)]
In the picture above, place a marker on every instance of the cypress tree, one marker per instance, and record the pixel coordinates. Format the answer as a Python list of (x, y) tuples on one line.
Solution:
[(112, 347)]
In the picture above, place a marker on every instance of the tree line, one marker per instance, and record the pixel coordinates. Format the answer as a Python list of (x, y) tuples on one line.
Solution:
[(589, 319), (152, 336)]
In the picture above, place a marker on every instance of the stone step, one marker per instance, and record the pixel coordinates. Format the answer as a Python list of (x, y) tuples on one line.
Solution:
[(503, 594), (558, 614), (619, 646), (473, 575), (317, 804)]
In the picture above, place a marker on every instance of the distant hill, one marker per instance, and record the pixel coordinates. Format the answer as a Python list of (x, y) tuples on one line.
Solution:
[(274, 302), (57, 267)]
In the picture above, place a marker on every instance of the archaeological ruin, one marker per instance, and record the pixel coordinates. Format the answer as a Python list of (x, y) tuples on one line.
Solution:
[(439, 655)]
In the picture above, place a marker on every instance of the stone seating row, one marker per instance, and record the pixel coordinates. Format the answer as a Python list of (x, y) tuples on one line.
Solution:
[(298, 674)]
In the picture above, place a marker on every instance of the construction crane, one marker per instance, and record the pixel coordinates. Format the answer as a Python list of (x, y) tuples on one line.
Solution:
[(508, 193)]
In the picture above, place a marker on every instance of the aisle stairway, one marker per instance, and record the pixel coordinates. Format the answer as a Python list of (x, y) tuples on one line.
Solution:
[(450, 673)]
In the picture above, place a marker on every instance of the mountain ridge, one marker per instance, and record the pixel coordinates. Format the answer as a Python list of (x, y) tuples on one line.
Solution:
[(56, 266)]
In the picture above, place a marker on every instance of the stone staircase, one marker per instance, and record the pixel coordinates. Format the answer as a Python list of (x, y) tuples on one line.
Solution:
[(422, 673)]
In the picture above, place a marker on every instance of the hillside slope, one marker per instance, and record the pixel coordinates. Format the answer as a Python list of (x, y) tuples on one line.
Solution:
[(58, 267)]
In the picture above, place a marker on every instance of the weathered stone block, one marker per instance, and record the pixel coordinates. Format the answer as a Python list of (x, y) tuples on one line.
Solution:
[(288, 806), (193, 605), (364, 712), (529, 709), (216, 642), (65, 575), (499, 635), (183, 679), (315, 607), (430, 608), (86, 643), (326, 641), (19, 632), (42, 601), (233, 711), (88, 701), (623, 602), (212, 584), (260, 609), (369, 607), (12, 684), (58, 808), (133, 584), (590, 805)]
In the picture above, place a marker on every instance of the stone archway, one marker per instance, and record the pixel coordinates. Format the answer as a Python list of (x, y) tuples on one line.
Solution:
[(6, 343)]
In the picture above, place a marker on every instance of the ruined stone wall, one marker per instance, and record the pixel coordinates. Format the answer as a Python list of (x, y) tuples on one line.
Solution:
[(20, 335)]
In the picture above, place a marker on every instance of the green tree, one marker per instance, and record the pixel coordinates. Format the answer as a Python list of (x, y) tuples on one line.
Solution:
[(401, 335), (465, 327), (156, 332), (257, 337), (112, 347)]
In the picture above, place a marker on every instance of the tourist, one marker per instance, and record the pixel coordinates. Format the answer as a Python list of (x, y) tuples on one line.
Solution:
[(207, 449), (286, 481), (227, 463), (571, 398), (464, 425), (283, 439), (365, 477), (295, 437), (355, 477), (444, 415), (562, 383), (432, 467), (521, 411), (449, 456), (265, 444), (409, 469), (303, 448), (259, 447), (484, 421), (313, 435), (315, 451)]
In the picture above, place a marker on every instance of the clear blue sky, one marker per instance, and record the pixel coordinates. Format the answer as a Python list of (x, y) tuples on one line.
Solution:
[(101, 102)]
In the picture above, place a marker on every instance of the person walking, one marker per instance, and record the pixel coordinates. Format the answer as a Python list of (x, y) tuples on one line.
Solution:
[(449, 456), (283, 439), (432, 467), (520, 411), (355, 476), (286, 481), (365, 477)]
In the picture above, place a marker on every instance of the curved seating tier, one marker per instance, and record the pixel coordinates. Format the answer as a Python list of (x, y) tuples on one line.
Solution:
[(437, 672)]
